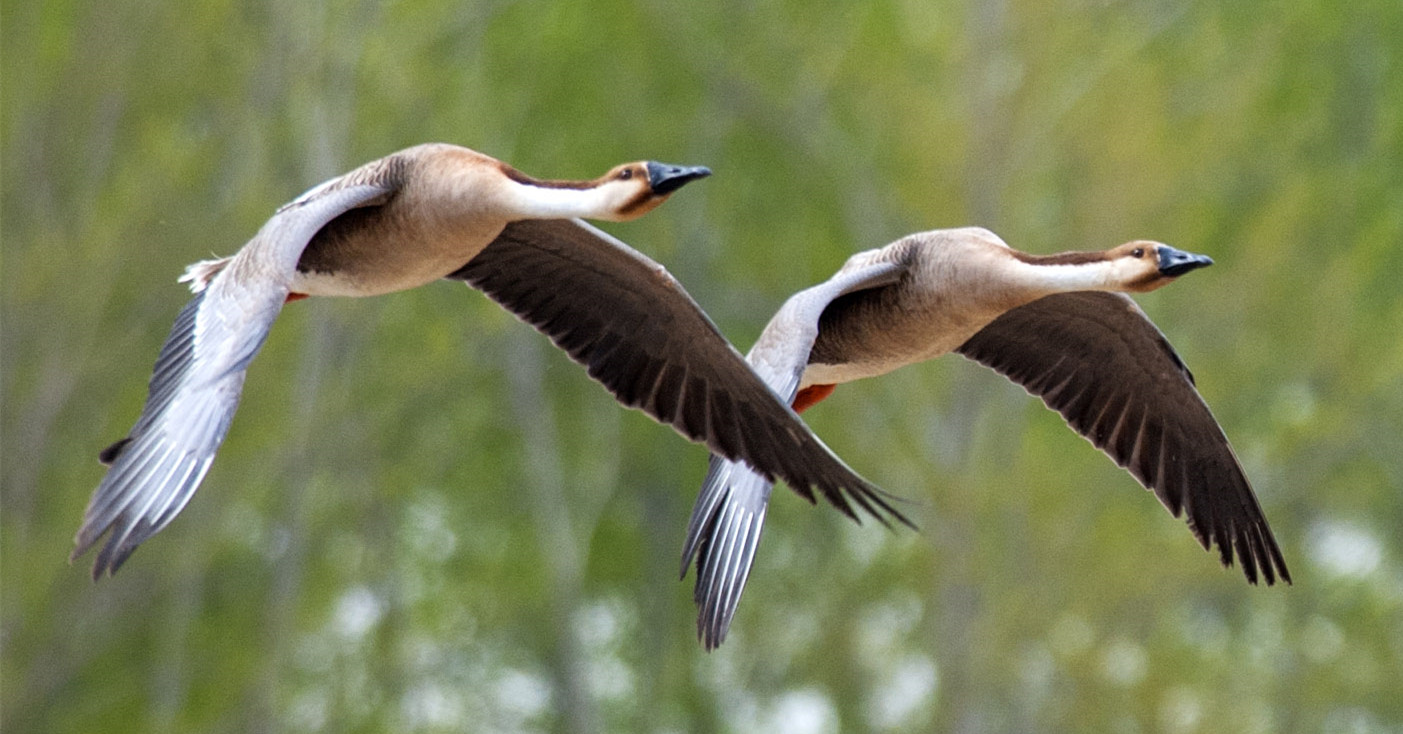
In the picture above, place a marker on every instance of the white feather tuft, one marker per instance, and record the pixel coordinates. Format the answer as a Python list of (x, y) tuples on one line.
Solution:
[(201, 273)]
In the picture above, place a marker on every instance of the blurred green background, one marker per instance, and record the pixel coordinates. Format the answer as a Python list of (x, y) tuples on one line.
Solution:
[(425, 518)]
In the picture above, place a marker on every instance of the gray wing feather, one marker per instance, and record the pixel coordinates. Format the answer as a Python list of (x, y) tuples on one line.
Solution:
[(729, 514), (197, 380), (723, 535), (1098, 360)]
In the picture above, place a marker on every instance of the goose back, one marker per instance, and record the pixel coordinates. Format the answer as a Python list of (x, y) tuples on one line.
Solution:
[(954, 282), (440, 215)]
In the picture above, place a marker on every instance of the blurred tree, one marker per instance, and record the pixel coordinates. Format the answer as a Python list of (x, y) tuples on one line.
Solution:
[(426, 520)]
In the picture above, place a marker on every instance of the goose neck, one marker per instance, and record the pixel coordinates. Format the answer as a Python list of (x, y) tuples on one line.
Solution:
[(528, 200)]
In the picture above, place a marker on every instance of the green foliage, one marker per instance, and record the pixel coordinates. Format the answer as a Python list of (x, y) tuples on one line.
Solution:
[(427, 519)]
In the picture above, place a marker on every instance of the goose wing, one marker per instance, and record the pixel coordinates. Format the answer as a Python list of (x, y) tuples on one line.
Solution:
[(638, 332), (1097, 359), (726, 521), (199, 374)]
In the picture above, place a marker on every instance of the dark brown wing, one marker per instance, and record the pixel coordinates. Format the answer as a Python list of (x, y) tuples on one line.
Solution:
[(1096, 359), (636, 331)]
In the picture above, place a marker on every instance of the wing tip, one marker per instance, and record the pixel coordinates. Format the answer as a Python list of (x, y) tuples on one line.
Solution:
[(112, 555), (1255, 549), (711, 637), (876, 501), (724, 550)]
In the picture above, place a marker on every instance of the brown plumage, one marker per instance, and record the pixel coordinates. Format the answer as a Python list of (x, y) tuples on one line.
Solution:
[(436, 211), (1054, 324)]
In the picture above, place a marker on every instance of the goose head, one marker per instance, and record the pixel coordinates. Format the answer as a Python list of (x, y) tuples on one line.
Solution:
[(1143, 266), (627, 191), (630, 190)]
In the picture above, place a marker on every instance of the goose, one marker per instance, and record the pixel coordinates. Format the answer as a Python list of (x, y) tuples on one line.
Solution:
[(1059, 325), (439, 211)]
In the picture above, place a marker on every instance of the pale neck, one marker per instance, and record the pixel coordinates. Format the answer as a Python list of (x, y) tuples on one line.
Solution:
[(1049, 279), (543, 202)]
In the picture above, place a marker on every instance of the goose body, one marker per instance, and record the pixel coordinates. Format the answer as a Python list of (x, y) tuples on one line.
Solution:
[(441, 211), (1059, 325)]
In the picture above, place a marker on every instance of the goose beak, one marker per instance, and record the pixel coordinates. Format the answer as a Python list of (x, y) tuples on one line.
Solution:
[(666, 179), (1174, 263)]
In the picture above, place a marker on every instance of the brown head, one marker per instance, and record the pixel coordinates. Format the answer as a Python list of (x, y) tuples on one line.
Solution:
[(651, 184), (1149, 265), (1138, 266)]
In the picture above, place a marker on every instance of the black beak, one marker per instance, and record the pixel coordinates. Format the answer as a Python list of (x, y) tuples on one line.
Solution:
[(666, 179), (1174, 263)]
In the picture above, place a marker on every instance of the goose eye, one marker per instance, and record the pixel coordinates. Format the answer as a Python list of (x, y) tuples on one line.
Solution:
[(1138, 252)]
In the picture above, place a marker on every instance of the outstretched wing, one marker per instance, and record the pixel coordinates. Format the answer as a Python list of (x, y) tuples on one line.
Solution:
[(636, 331), (1097, 359), (198, 377), (726, 521)]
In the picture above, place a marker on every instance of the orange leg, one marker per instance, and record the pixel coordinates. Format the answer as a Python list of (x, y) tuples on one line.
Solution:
[(810, 396)]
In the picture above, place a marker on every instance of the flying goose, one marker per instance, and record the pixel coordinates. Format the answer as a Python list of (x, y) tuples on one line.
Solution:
[(1059, 325), (442, 211)]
